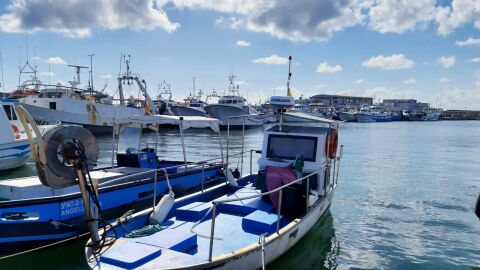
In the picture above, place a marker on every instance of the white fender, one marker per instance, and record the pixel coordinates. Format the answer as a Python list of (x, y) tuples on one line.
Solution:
[(162, 209), (230, 179)]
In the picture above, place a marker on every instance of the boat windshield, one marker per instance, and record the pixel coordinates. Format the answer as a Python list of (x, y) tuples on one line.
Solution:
[(289, 147)]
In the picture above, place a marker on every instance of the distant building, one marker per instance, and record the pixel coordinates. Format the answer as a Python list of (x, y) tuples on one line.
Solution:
[(339, 101), (404, 105)]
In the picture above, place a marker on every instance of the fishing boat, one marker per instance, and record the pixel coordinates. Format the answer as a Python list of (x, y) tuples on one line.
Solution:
[(164, 102), (431, 114), (33, 214), (244, 223), (347, 115), (232, 110), (87, 107), (193, 105), (372, 114), (14, 147)]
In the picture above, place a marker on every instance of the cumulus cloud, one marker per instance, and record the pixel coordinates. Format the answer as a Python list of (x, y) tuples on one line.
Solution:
[(475, 60), (401, 16), (380, 93), (468, 42), (447, 62), (231, 22), (271, 60), (78, 18), (410, 81), (326, 68), (460, 12), (395, 61), (243, 43), (56, 60)]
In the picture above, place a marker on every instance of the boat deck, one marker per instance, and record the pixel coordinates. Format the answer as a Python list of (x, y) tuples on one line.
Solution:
[(237, 225)]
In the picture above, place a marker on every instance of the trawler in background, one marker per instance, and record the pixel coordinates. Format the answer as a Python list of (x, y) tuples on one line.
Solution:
[(372, 114), (92, 109), (164, 102), (193, 106), (233, 111)]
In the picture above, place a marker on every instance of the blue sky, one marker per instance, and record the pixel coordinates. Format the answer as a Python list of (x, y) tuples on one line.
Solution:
[(423, 49)]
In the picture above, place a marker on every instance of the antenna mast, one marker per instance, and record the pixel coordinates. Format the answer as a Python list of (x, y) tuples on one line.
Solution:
[(289, 76), (78, 68), (91, 73)]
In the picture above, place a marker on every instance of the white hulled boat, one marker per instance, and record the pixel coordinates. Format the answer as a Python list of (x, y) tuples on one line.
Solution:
[(193, 106), (233, 111), (91, 109), (372, 114), (14, 148)]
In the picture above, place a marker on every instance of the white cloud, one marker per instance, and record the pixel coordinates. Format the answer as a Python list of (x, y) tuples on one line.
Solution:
[(401, 16), (444, 80), (447, 62), (243, 43), (106, 76), (380, 93), (47, 73), (319, 86), (56, 60), (468, 42), (78, 18), (475, 60), (460, 12), (231, 22), (395, 61), (325, 68), (409, 81), (359, 81), (271, 60)]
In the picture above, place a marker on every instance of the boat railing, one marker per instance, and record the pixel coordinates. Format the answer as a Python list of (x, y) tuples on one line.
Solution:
[(335, 162)]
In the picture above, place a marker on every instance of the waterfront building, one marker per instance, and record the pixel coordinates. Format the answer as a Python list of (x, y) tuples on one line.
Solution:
[(398, 105), (340, 101)]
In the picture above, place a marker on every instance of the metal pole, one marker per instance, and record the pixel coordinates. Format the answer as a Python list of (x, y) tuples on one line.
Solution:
[(203, 174), (251, 157), (262, 243), (243, 145), (307, 197), (212, 231), (183, 146), (155, 177), (91, 217), (228, 139), (156, 140), (279, 210), (113, 143), (221, 146)]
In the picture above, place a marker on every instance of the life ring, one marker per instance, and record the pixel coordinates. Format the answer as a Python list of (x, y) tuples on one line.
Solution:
[(331, 143), (16, 131)]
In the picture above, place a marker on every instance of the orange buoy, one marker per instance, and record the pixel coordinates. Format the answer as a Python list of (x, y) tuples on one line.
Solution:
[(331, 143)]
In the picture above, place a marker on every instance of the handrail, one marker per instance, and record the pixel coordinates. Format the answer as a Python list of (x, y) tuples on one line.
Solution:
[(166, 168)]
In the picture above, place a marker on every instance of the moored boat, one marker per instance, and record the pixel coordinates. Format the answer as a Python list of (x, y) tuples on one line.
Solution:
[(372, 114), (33, 214), (242, 224)]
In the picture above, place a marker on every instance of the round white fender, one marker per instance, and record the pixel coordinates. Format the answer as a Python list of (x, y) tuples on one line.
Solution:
[(162, 209), (231, 180)]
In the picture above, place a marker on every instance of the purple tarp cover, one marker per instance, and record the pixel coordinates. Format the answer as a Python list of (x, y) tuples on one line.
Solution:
[(277, 177)]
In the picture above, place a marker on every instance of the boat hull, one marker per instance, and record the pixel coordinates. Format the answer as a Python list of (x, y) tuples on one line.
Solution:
[(13, 155), (347, 117), (186, 111), (71, 111), (29, 223), (223, 112), (367, 118)]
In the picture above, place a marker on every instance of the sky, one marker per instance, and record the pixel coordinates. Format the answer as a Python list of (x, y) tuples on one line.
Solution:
[(423, 49)]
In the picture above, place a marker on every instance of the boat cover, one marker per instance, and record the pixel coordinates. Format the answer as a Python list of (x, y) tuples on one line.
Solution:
[(277, 177), (185, 122)]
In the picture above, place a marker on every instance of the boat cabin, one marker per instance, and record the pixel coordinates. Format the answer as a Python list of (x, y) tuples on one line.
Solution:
[(232, 100)]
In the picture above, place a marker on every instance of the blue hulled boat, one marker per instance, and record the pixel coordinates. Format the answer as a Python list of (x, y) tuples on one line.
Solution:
[(33, 214)]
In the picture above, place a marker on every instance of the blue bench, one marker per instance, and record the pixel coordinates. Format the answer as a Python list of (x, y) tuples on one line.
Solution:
[(181, 240), (130, 255), (192, 212), (260, 222)]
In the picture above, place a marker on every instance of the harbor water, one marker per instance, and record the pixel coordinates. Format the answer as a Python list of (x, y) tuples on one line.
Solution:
[(405, 198)]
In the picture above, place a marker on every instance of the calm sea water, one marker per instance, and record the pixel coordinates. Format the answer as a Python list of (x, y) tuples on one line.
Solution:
[(405, 199)]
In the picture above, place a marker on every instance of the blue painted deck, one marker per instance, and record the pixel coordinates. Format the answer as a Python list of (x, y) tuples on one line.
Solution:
[(237, 225)]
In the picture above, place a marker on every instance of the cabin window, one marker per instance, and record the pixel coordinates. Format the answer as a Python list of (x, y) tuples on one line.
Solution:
[(10, 112), (229, 101), (289, 147), (234, 102), (53, 105)]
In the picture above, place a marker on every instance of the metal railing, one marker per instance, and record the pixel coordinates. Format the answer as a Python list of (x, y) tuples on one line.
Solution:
[(215, 203)]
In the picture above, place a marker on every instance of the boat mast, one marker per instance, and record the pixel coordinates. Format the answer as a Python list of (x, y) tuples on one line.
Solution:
[(289, 76), (2, 85), (77, 82), (90, 83)]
